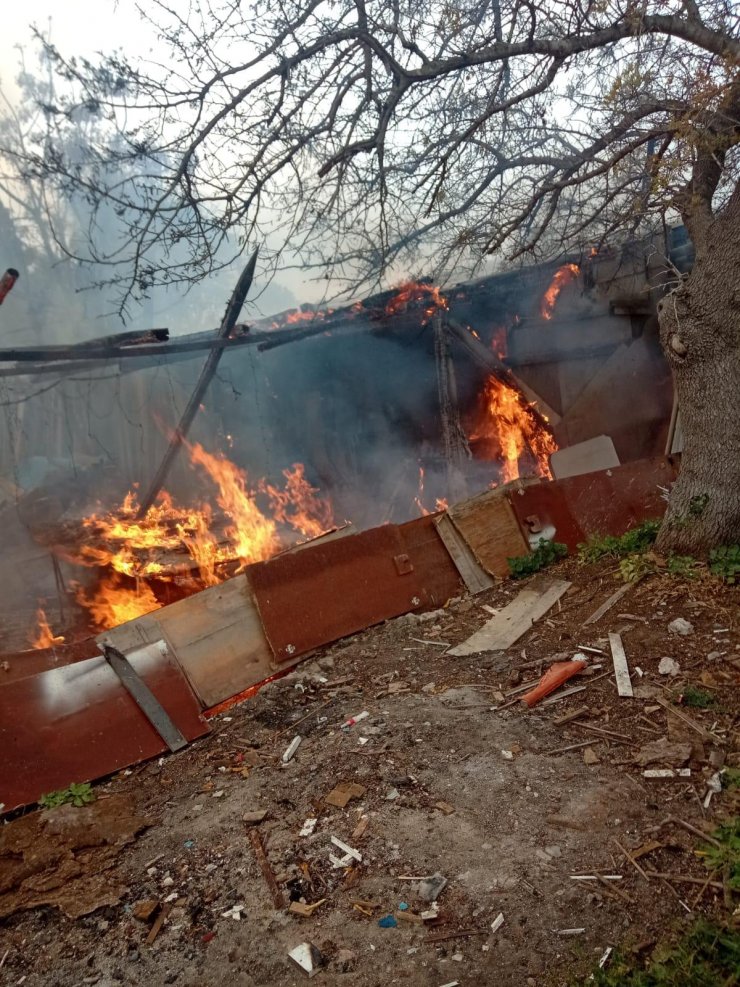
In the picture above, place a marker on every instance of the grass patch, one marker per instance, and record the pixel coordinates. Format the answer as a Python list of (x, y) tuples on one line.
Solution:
[(632, 542), (725, 858), (724, 562), (709, 956), (77, 794), (697, 698), (546, 553)]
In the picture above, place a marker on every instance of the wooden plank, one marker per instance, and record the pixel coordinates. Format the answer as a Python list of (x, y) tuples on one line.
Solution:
[(473, 575), (215, 635), (607, 604), (502, 631), (489, 526), (621, 668)]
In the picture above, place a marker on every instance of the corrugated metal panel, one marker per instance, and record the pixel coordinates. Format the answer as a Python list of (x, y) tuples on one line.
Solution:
[(78, 722), (334, 589)]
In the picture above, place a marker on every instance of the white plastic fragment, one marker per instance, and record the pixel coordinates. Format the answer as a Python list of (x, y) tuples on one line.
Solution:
[(308, 827), (350, 851), (681, 626), (292, 748), (668, 666), (509, 755), (497, 922), (307, 957), (234, 912), (355, 719), (667, 773), (714, 787), (605, 957), (569, 932)]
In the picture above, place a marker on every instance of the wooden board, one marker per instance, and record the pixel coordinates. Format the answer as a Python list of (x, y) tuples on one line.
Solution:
[(621, 668), (502, 631), (216, 636), (489, 526), (473, 575)]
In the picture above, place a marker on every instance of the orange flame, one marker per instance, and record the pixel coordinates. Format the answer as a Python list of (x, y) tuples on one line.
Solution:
[(44, 636), (112, 603), (440, 503), (131, 548), (564, 275), (511, 430), (416, 291)]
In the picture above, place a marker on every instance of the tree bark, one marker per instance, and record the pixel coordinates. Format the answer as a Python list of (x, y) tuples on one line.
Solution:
[(700, 333)]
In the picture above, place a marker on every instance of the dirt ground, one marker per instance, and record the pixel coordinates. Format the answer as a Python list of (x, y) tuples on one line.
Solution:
[(459, 778)]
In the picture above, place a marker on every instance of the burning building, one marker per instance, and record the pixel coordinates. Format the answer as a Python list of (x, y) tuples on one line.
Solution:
[(376, 412)]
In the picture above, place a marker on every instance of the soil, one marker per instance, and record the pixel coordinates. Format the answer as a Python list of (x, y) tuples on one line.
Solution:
[(460, 779)]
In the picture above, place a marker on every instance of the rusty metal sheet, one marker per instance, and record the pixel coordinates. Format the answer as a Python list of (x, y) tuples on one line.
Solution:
[(77, 723), (21, 664), (336, 588), (607, 502)]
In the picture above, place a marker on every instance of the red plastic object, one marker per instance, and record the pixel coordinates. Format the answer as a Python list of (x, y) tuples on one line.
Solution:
[(6, 282), (556, 674)]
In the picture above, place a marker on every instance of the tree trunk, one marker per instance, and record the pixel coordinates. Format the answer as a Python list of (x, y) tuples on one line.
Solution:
[(700, 333)]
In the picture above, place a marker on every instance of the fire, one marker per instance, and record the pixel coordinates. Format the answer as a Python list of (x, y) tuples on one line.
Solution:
[(131, 550), (416, 291), (563, 276), (301, 315), (44, 636), (440, 503), (511, 430), (112, 603)]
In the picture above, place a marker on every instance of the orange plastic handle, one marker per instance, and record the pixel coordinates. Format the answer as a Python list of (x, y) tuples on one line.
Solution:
[(556, 674)]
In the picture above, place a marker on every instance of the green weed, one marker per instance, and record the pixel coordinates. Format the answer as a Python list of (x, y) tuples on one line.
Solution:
[(683, 566), (709, 956), (76, 794), (634, 567), (546, 553), (724, 562), (634, 541), (697, 698), (725, 857)]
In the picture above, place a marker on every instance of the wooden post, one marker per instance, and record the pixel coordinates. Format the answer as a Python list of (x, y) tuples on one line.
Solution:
[(227, 324)]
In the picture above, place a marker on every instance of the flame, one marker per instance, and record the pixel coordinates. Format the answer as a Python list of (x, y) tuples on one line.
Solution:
[(111, 602), (299, 504), (131, 550), (300, 315), (44, 636), (564, 275), (440, 503), (511, 430), (416, 291), (499, 341)]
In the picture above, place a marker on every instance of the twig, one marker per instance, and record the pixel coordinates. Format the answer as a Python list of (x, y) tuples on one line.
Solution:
[(259, 852), (316, 709), (462, 934), (614, 890), (691, 829), (159, 922), (631, 859), (680, 879), (703, 888), (605, 733)]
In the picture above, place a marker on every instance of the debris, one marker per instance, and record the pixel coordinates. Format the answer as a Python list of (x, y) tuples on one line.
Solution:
[(259, 852), (605, 957), (497, 922), (345, 961), (607, 604), (555, 676), (343, 793), (307, 957), (621, 669), (144, 910), (569, 932), (591, 651), (706, 734), (714, 787), (445, 808), (667, 773), (159, 922), (604, 733), (304, 910), (460, 934), (255, 817), (350, 854), (431, 914), (681, 626), (80, 846), (392, 795), (590, 756), (292, 748), (664, 751), (572, 747), (596, 877), (355, 719), (452, 983), (668, 666), (234, 912), (508, 755), (359, 830), (514, 620), (574, 714), (308, 826), (564, 695), (432, 887), (387, 922)]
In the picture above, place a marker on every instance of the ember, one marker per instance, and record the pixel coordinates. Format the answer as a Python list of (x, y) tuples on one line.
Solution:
[(563, 276), (511, 430)]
